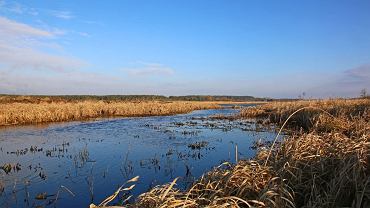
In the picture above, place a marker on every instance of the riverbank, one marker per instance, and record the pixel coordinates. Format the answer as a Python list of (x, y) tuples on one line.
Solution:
[(32, 113), (20, 110), (324, 162), (99, 154)]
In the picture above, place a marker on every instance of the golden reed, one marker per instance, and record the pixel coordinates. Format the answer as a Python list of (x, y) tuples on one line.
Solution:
[(37, 112)]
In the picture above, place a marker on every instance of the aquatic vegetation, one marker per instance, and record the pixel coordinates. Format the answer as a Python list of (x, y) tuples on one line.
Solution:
[(117, 192), (8, 167), (198, 145), (325, 165), (246, 184), (41, 196), (56, 111), (323, 115)]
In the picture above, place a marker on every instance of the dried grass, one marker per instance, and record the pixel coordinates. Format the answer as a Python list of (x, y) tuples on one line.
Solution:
[(326, 165), (345, 114), (247, 184), (26, 113)]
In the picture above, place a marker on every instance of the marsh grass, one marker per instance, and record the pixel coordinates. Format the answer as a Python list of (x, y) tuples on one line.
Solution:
[(324, 162), (246, 184), (340, 114), (326, 159), (25, 113)]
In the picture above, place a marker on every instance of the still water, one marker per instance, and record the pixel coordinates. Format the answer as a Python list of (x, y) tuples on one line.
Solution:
[(73, 164)]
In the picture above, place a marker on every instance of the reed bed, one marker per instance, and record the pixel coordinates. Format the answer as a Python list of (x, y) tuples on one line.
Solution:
[(333, 114), (323, 162), (247, 184), (326, 158), (26, 113)]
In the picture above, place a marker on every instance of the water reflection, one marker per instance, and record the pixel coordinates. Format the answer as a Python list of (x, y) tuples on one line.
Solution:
[(76, 163)]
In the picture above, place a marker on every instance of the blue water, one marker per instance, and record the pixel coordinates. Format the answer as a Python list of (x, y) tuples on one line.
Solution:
[(93, 158)]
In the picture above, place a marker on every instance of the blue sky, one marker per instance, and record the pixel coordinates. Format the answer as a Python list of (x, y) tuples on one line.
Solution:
[(173, 47)]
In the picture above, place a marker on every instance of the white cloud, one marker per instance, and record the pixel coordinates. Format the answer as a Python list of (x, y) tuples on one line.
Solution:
[(360, 73), (67, 15), (150, 69), (22, 47), (17, 8), (28, 58), (12, 28), (91, 22), (346, 83), (75, 82)]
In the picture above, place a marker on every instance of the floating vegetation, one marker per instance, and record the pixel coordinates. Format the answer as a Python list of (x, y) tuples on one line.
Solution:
[(149, 163), (42, 175), (79, 154), (8, 167), (198, 145), (190, 133), (41, 196), (326, 165)]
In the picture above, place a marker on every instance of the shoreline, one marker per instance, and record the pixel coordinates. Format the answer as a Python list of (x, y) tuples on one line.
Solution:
[(315, 161), (23, 114)]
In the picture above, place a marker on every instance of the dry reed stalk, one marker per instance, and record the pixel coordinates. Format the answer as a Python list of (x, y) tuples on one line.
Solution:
[(247, 184)]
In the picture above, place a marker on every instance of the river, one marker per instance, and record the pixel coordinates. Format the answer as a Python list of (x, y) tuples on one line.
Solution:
[(73, 164)]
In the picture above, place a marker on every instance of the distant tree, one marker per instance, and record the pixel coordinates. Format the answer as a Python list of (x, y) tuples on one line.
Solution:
[(363, 93)]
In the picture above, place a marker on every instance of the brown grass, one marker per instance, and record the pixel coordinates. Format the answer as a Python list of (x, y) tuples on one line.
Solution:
[(324, 162), (14, 113), (247, 184), (345, 113), (326, 165)]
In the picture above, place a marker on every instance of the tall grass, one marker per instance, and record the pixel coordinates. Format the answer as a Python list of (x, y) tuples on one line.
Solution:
[(324, 162), (25, 113), (342, 113)]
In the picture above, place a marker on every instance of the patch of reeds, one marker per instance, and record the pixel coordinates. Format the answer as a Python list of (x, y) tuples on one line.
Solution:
[(328, 115), (246, 184), (324, 170), (26, 113), (327, 164)]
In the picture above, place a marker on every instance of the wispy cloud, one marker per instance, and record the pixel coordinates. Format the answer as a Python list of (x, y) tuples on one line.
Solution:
[(91, 22), (21, 9), (150, 69), (28, 58), (15, 7), (13, 29), (347, 83), (21, 47), (67, 15), (360, 73), (83, 34), (75, 82)]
